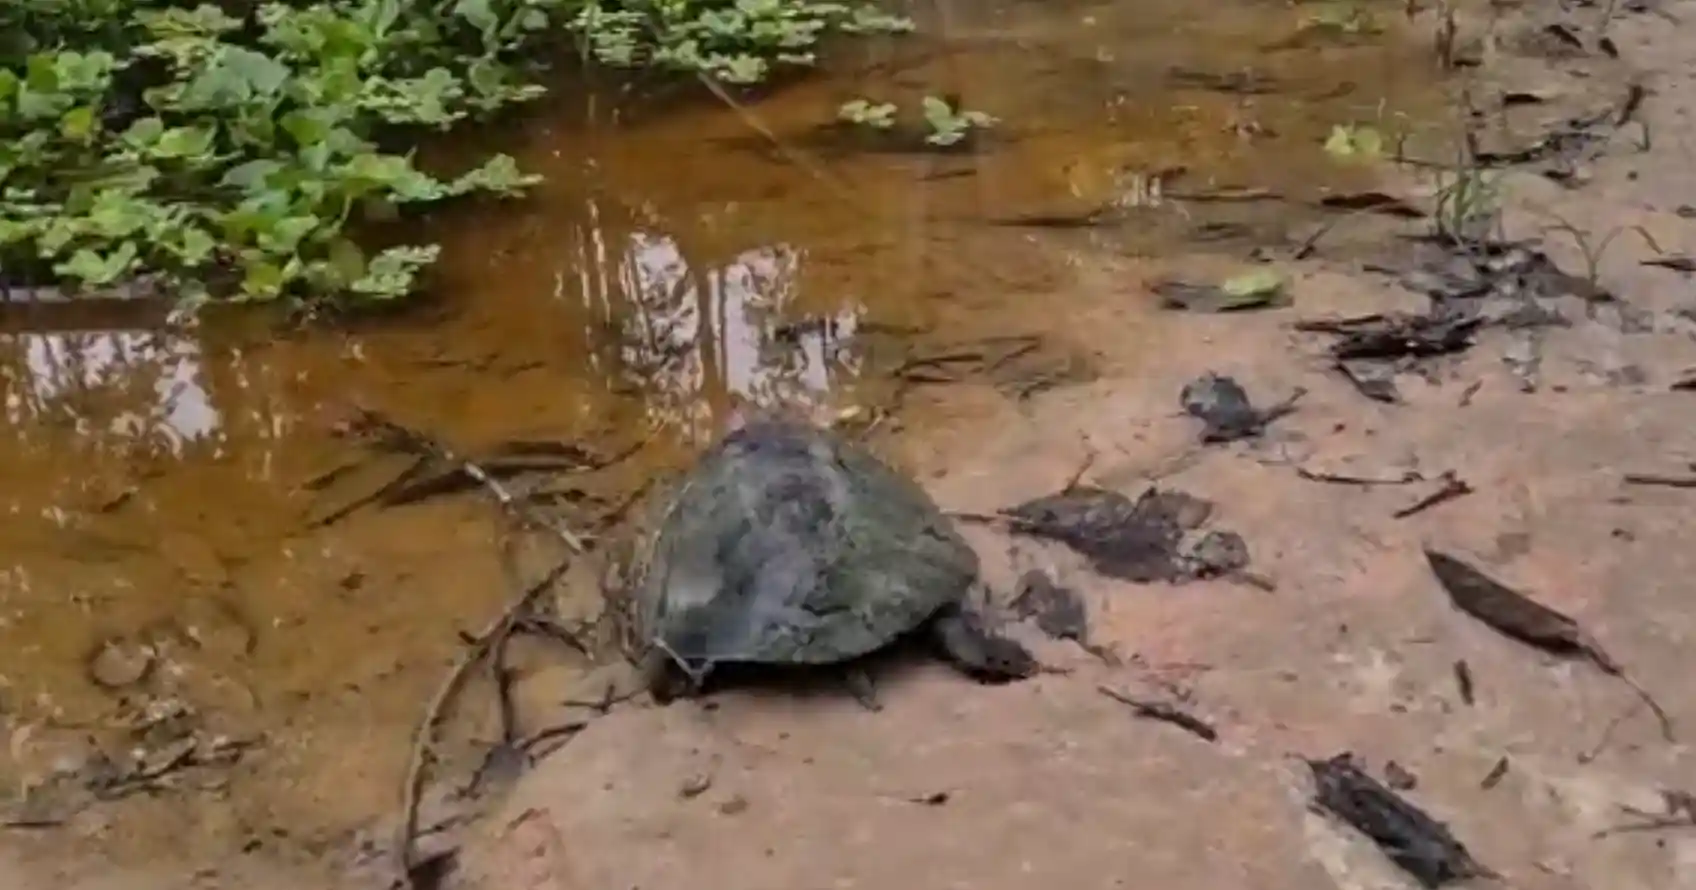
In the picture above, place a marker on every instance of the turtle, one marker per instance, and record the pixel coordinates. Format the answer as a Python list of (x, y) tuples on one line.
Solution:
[(788, 544)]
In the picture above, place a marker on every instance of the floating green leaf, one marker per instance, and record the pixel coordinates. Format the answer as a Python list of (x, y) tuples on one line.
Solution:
[(1343, 17), (391, 273), (499, 175), (950, 124), (880, 115), (1355, 141)]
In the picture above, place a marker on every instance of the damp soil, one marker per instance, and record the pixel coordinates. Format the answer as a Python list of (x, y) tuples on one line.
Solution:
[(165, 490)]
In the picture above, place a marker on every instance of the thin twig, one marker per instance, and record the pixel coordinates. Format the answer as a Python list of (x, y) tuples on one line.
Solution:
[(1453, 487), (371, 420), (482, 645), (1680, 812), (561, 733), (1660, 480), (1165, 713), (1077, 477), (1657, 823), (1406, 478), (1607, 736), (401, 479)]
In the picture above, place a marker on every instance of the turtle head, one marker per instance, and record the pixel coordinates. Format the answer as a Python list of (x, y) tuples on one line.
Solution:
[(744, 413)]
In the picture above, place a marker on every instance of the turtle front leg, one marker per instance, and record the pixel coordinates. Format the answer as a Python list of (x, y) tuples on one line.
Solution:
[(979, 652)]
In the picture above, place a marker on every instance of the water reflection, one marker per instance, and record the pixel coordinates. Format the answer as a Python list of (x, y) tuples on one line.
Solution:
[(693, 335), (133, 385), (635, 315)]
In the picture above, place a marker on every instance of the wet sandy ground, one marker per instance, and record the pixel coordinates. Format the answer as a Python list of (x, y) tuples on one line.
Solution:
[(1050, 781), (959, 785)]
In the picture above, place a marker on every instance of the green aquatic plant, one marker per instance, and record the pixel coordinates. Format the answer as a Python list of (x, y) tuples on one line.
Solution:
[(231, 151), (945, 122), (1359, 142), (949, 122), (1468, 204), (1342, 17), (865, 113), (737, 41), (228, 157)]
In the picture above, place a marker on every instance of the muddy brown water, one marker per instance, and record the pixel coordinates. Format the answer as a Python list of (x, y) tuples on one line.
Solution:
[(153, 478)]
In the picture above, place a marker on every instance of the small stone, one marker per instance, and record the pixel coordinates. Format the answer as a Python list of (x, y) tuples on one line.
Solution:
[(1217, 553), (695, 786), (120, 664), (1222, 405), (1398, 777), (733, 806)]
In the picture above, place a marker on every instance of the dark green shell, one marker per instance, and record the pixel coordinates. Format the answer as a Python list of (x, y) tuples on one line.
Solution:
[(789, 545)]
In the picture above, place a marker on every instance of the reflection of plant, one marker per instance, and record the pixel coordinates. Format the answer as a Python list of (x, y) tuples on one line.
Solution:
[(945, 122), (228, 157)]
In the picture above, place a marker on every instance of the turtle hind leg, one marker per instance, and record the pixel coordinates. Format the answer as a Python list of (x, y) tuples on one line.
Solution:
[(665, 679), (859, 683), (976, 650)]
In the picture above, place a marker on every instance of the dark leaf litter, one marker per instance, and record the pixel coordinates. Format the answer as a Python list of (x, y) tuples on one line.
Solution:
[(1418, 844), (1223, 407), (1156, 537)]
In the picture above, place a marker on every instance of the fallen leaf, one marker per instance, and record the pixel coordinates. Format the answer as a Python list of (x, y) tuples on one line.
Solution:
[(1255, 287), (1243, 292), (1515, 615)]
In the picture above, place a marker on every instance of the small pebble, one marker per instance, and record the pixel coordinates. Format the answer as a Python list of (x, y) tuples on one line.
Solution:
[(1398, 777), (736, 804), (695, 785), (119, 664)]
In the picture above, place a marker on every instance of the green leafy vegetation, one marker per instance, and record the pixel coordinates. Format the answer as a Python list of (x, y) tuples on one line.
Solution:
[(230, 151), (1468, 204), (738, 42)]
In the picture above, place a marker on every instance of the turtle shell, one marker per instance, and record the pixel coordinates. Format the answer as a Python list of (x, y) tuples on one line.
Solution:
[(787, 544)]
